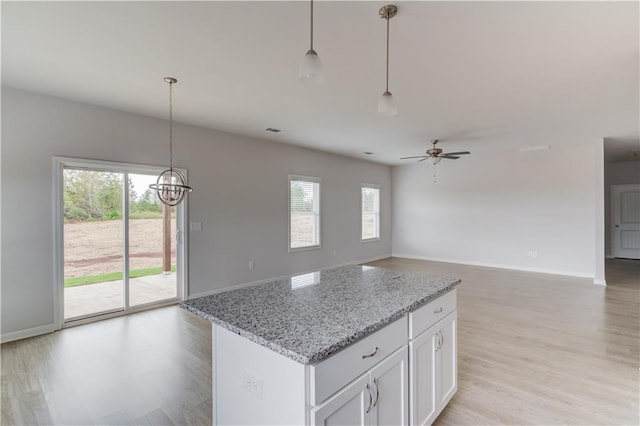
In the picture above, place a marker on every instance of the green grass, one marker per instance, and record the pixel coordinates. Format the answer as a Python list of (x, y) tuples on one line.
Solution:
[(113, 276)]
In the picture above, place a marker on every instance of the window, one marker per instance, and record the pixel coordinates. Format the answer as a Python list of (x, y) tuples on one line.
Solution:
[(370, 212), (304, 212)]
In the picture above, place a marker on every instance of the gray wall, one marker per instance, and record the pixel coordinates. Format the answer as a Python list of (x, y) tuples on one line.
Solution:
[(622, 173), (494, 208), (240, 196)]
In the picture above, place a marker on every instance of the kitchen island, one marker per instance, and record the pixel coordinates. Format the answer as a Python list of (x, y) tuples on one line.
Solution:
[(348, 345)]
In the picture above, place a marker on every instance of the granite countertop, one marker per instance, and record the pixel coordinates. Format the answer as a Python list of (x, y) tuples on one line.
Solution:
[(308, 317)]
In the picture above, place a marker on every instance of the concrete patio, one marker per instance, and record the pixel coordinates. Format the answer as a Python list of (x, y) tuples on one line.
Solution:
[(100, 297)]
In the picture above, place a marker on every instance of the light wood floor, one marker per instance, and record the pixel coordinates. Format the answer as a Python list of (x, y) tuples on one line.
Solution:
[(542, 349), (533, 349), (148, 368)]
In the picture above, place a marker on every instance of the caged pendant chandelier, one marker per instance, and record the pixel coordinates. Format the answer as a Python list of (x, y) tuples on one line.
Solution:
[(310, 72), (387, 104), (171, 186)]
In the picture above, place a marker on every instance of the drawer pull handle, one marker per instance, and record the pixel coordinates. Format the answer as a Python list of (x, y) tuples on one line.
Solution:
[(437, 311), (377, 392), (439, 341), (370, 398), (371, 354)]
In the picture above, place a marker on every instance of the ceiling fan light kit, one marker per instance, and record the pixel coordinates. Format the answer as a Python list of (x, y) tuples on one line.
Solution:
[(311, 72), (171, 186), (387, 104), (435, 155)]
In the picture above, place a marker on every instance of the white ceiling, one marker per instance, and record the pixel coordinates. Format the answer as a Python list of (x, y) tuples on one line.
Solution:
[(489, 75)]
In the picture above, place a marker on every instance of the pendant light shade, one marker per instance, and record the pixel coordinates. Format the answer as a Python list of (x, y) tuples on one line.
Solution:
[(171, 186), (387, 104), (435, 160), (311, 73)]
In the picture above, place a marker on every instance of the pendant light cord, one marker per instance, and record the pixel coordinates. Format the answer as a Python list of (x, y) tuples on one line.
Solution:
[(171, 126), (387, 18), (311, 18)]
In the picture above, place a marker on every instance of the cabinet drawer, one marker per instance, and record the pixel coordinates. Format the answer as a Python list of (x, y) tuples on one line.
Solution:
[(330, 375), (424, 317)]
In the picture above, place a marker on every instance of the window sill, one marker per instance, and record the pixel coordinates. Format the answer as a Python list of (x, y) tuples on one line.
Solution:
[(305, 248), (370, 240)]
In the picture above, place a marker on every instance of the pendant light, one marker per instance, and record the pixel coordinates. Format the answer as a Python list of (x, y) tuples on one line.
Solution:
[(171, 185), (310, 72), (387, 104)]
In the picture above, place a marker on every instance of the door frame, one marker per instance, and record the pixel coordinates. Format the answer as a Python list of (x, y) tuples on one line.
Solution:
[(615, 212), (182, 210)]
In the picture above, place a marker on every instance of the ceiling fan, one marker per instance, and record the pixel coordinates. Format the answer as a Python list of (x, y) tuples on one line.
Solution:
[(435, 155)]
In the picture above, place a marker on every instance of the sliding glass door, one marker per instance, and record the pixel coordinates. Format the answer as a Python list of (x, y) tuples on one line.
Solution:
[(152, 255), (121, 247)]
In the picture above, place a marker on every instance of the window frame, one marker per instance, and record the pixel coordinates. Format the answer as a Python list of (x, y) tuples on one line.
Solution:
[(182, 252), (312, 179), (378, 228)]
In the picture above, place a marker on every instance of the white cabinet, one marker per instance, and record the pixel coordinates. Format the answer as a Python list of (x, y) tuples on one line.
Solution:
[(347, 407), (447, 355), (433, 366), (404, 373), (379, 397), (423, 377), (390, 405), (331, 374)]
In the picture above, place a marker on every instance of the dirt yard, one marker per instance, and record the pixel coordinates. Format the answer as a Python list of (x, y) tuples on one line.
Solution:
[(93, 248)]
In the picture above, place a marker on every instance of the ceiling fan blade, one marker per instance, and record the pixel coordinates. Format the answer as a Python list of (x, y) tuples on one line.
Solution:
[(425, 158), (457, 153), (449, 157), (417, 156)]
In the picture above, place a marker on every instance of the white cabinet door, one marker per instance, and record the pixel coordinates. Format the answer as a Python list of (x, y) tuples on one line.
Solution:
[(422, 383), (447, 358), (390, 390), (350, 406)]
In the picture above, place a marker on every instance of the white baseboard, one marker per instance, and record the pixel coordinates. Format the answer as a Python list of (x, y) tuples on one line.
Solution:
[(29, 332), (254, 283), (495, 265), (599, 282)]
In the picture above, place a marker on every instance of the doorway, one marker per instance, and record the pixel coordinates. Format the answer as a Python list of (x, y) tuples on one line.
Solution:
[(119, 249), (625, 221)]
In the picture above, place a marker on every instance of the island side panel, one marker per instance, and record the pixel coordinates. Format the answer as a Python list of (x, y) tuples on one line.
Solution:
[(253, 384)]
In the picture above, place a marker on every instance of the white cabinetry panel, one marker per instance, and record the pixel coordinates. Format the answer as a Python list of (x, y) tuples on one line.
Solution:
[(423, 378), (347, 407), (390, 390), (448, 354)]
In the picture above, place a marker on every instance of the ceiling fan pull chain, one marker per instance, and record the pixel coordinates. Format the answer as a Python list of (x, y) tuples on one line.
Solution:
[(434, 173)]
